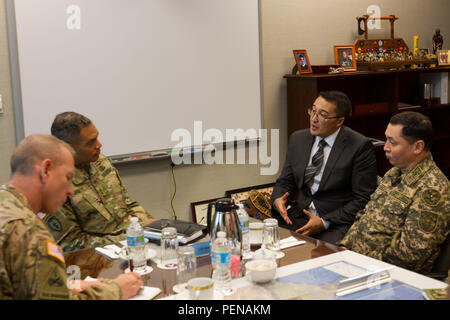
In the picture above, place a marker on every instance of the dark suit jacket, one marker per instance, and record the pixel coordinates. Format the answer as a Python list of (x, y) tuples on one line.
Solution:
[(349, 177)]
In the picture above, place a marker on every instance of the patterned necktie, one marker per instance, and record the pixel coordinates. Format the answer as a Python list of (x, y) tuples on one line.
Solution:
[(314, 168)]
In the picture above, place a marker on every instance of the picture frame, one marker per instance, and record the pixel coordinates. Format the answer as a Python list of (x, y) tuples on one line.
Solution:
[(241, 195), (423, 52), (302, 60), (200, 211), (443, 57), (345, 57)]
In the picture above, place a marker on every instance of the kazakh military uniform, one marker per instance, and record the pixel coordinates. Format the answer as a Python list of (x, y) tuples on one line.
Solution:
[(406, 220), (31, 265), (98, 212)]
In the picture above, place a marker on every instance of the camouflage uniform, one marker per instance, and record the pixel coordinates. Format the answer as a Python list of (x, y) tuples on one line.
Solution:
[(98, 212), (406, 220), (31, 265)]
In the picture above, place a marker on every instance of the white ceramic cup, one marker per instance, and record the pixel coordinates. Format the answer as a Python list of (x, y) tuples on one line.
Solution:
[(256, 232), (261, 270), (201, 288)]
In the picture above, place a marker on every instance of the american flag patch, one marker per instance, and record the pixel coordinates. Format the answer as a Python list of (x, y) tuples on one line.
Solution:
[(55, 251)]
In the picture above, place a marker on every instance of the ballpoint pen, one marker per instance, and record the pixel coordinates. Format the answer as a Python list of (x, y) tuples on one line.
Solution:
[(131, 265)]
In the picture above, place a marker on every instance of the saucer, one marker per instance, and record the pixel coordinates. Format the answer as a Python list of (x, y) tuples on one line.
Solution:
[(178, 288), (279, 254), (147, 270), (184, 295), (271, 254), (151, 253), (168, 266)]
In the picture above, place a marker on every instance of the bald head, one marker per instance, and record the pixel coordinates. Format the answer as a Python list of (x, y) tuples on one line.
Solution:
[(36, 148)]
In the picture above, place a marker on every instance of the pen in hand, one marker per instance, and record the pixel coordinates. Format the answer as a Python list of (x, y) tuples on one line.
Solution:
[(131, 265)]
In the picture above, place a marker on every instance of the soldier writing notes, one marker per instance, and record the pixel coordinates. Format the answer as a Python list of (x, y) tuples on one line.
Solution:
[(32, 265)]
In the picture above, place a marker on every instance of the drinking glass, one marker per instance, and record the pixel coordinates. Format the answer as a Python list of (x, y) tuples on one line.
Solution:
[(271, 235), (169, 247), (186, 267)]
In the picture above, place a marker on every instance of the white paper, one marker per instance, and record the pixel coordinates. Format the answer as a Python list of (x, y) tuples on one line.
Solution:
[(290, 242), (345, 269), (106, 252), (146, 293)]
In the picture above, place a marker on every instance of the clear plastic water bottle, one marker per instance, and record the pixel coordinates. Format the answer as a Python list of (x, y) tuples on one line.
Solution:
[(245, 227), (136, 246), (221, 261)]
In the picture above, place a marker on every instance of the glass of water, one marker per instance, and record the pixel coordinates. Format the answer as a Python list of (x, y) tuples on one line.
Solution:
[(169, 247), (271, 235), (186, 267)]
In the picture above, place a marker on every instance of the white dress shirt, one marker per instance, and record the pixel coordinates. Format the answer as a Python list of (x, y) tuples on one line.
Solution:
[(316, 180)]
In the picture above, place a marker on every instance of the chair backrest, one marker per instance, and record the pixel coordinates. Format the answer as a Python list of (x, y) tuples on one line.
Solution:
[(442, 263)]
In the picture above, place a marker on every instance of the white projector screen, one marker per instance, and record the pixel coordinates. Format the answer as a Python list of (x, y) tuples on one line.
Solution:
[(138, 69)]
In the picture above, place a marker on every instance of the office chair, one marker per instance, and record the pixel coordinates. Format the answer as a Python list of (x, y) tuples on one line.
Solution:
[(442, 263)]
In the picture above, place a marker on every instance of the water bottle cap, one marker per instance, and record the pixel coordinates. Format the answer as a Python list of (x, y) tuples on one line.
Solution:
[(134, 219), (221, 234)]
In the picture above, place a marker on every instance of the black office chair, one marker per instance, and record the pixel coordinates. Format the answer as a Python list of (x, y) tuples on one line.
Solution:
[(442, 263)]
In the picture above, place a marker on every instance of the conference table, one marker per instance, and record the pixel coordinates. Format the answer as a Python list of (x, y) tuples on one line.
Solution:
[(310, 255), (96, 265)]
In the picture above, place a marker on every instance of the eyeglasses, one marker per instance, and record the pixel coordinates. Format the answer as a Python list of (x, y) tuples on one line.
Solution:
[(322, 115)]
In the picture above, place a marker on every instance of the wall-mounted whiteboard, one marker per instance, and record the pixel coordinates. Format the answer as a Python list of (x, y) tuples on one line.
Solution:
[(139, 69)]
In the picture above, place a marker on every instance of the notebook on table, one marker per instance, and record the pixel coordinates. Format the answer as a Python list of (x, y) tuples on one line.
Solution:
[(187, 231)]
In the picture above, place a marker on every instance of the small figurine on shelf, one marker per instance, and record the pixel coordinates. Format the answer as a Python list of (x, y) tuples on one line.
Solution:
[(437, 41)]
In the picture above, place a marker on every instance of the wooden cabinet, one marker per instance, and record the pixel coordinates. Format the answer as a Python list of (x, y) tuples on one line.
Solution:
[(376, 96)]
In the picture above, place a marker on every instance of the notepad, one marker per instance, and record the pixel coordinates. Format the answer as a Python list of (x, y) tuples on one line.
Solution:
[(146, 293)]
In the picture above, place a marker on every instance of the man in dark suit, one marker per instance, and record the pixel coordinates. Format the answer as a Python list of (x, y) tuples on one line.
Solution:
[(330, 168)]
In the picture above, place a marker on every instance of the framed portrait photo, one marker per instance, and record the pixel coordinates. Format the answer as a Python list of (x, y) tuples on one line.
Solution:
[(345, 57), (443, 57), (302, 60), (200, 211)]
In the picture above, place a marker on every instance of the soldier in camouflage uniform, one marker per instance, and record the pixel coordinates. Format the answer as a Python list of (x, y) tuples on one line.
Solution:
[(98, 212), (32, 266), (408, 216)]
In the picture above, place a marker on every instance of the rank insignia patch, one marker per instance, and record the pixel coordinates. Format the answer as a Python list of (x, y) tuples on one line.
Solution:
[(431, 197)]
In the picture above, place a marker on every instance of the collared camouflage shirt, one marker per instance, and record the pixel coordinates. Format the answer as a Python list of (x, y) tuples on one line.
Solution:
[(98, 212), (31, 265), (406, 220)]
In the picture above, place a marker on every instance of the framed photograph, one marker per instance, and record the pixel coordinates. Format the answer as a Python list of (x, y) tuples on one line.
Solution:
[(442, 56), (301, 57), (345, 57), (423, 52), (241, 195), (200, 211)]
